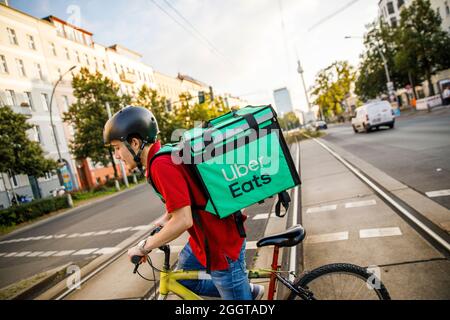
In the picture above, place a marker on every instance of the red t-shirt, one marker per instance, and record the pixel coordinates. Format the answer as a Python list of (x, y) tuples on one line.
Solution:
[(179, 189)]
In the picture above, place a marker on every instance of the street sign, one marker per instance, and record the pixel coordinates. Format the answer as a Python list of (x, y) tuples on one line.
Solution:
[(390, 86)]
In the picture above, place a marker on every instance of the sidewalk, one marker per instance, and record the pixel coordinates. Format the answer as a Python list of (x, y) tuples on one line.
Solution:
[(345, 221)]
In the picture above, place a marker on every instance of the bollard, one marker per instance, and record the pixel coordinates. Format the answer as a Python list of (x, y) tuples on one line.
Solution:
[(69, 200), (134, 179)]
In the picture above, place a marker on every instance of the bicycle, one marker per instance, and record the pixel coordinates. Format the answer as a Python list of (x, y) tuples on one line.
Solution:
[(319, 283)]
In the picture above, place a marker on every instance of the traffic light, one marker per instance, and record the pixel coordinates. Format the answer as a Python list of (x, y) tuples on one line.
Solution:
[(201, 97)]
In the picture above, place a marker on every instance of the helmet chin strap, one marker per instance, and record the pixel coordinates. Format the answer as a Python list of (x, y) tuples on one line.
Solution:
[(137, 157)]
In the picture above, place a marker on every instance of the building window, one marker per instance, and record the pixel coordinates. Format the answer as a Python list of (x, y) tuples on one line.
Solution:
[(104, 64), (390, 7), (400, 3), (11, 98), (29, 99), (44, 100), (14, 181), (39, 71), (31, 43), (3, 65), (65, 100), (53, 47), (447, 8), (12, 36), (59, 72), (115, 68), (394, 22), (78, 56), (21, 68), (47, 176), (96, 63), (87, 59), (37, 134), (67, 53)]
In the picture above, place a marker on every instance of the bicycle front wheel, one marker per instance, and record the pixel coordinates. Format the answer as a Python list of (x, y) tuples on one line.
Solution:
[(342, 281)]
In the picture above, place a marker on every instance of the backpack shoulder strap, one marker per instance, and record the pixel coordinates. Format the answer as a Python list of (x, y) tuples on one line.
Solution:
[(166, 149)]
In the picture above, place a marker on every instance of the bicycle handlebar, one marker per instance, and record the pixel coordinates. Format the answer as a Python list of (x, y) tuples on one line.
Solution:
[(137, 259)]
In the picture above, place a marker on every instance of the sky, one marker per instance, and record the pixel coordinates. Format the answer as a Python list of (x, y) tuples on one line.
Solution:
[(244, 47)]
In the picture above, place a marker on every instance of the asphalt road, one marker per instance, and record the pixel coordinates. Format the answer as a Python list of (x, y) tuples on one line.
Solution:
[(416, 152), (83, 235)]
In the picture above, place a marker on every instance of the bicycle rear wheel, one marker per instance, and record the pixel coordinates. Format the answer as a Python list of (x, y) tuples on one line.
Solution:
[(342, 281)]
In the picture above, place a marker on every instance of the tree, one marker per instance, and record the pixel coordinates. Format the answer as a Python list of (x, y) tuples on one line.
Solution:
[(18, 154), (423, 47), (88, 115), (380, 41), (158, 105), (289, 121), (331, 86)]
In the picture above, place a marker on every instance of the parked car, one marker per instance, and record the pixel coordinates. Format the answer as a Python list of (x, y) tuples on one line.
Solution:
[(320, 124), (373, 115)]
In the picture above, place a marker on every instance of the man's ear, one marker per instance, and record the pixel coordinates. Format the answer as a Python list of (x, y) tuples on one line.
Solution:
[(135, 143)]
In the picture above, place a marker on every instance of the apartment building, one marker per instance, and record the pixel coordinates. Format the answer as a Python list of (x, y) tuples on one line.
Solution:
[(34, 54)]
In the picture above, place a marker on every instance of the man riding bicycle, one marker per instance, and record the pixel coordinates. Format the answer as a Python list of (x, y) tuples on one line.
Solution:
[(215, 244)]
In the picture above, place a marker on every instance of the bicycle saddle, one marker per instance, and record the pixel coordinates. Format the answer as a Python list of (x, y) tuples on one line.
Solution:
[(289, 238)]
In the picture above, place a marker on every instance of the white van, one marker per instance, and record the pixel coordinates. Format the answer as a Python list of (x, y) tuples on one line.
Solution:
[(373, 115)]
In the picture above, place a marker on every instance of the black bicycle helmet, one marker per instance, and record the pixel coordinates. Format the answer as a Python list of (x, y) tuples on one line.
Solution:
[(131, 121)]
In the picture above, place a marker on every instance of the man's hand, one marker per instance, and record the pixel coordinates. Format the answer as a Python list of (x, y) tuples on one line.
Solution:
[(135, 251)]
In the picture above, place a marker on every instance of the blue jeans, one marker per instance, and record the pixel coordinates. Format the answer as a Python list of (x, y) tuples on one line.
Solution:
[(230, 284)]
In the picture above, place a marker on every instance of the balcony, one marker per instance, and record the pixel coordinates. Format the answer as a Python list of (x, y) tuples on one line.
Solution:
[(128, 77), (24, 108)]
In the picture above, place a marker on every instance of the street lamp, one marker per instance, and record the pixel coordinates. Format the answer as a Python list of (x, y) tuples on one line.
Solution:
[(60, 160), (389, 85)]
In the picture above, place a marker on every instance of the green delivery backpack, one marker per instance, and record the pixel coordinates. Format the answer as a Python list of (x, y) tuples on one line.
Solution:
[(239, 158)]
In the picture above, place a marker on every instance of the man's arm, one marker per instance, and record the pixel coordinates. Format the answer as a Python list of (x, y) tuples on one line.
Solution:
[(180, 221), (161, 221)]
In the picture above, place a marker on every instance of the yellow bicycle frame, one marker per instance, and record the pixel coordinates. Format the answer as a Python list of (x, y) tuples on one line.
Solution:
[(168, 281)]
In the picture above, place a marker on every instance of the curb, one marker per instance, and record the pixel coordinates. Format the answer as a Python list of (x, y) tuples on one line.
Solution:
[(68, 212)]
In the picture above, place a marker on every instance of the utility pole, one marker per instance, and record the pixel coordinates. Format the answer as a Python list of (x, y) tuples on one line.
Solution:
[(122, 167)]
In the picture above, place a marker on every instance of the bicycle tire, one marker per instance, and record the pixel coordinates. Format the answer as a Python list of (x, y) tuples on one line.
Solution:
[(339, 268)]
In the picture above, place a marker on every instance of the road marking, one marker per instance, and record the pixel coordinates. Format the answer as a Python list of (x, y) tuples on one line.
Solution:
[(121, 230), (84, 251), (383, 194), (47, 254), (360, 204), (438, 193), (75, 235), (64, 253), (139, 228), (22, 254), (35, 254), (107, 250), (11, 254), (322, 208), (380, 232), (100, 233), (86, 234), (261, 216), (250, 245), (2, 254), (328, 237)]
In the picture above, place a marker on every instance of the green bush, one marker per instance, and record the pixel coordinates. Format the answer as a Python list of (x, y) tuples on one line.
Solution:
[(29, 211)]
